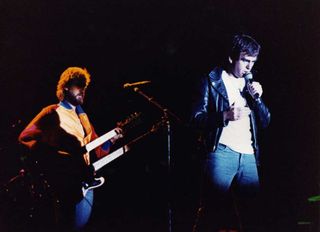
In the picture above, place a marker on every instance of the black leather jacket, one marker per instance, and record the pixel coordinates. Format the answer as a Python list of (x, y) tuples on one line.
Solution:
[(212, 101)]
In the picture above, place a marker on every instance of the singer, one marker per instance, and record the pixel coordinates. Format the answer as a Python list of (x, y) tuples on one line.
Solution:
[(228, 111)]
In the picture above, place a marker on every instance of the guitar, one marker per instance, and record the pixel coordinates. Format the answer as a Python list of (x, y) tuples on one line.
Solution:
[(97, 182), (131, 121)]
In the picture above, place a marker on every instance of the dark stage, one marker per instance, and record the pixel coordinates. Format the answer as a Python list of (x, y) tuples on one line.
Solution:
[(172, 44)]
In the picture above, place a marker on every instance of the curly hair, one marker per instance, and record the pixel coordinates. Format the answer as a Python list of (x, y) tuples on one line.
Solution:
[(74, 74)]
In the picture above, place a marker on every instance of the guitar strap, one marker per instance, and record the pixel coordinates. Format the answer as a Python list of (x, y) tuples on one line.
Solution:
[(87, 129)]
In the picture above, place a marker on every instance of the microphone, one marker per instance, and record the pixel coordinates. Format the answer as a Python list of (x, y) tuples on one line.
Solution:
[(249, 78), (128, 85)]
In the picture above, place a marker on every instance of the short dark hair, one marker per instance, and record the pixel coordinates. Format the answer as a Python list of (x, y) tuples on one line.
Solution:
[(244, 44)]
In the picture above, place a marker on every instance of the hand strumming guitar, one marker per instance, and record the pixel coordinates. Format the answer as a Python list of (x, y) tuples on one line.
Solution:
[(119, 135)]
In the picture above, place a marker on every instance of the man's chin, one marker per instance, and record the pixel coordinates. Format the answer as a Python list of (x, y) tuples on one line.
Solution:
[(79, 100)]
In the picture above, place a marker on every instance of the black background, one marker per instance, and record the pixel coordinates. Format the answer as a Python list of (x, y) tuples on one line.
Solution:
[(172, 44)]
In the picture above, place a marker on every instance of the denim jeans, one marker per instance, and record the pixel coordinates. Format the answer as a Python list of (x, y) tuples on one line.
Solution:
[(225, 166), (227, 172), (83, 210)]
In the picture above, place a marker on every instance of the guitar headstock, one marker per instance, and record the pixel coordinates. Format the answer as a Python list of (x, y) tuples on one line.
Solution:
[(131, 121)]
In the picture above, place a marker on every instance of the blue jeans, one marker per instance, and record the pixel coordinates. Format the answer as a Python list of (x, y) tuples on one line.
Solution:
[(83, 210), (225, 166), (227, 170)]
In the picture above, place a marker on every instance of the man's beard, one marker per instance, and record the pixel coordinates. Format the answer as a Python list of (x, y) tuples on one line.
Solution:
[(74, 99)]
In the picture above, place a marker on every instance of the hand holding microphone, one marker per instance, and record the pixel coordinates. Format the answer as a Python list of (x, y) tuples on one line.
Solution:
[(254, 88)]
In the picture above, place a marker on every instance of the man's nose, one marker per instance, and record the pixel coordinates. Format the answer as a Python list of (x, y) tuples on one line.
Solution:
[(249, 66)]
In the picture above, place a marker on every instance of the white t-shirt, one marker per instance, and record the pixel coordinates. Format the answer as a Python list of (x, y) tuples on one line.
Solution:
[(236, 134)]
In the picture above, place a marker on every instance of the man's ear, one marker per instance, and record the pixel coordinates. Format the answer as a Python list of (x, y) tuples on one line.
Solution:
[(230, 60)]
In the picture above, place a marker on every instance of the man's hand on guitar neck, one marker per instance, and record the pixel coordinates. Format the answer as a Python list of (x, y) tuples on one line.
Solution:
[(119, 135)]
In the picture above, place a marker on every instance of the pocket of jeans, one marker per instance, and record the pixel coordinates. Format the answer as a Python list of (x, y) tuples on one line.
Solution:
[(222, 147)]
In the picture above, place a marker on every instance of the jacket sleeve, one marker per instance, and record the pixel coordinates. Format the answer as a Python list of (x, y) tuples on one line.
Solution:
[(202, 116), (33, 135), (103, 149), (262, 112)]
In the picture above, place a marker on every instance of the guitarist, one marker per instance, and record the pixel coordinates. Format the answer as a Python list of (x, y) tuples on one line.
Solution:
[(56, 138)]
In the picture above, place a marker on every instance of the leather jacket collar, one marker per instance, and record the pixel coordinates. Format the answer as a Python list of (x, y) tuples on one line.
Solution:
[(215, 77)]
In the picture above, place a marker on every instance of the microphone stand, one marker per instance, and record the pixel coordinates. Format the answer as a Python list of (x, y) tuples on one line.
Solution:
[(166, 122)]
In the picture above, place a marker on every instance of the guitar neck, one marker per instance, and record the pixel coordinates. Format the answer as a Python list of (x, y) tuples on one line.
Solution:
[(102, 139), (112, 156)]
